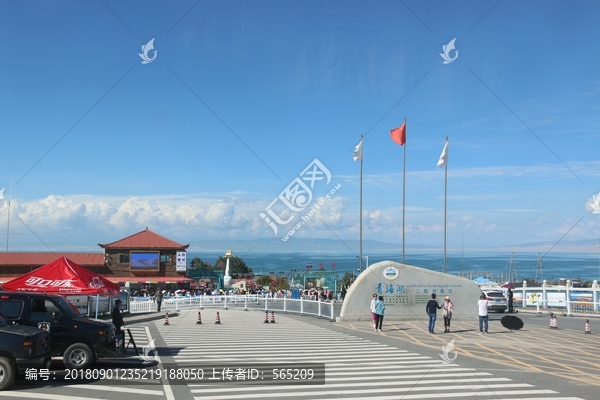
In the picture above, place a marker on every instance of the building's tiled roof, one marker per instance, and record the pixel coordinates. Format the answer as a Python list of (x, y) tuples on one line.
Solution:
[(145, 239), (39, 259)]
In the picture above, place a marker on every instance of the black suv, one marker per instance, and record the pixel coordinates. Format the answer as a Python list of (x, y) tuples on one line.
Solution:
[(79, 340), (21, 347)]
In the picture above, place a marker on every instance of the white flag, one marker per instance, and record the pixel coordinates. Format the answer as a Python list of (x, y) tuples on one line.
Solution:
[(443, 157), (358, 155)]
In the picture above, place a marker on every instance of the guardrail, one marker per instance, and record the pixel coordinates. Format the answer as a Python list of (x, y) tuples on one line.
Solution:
[(561, 307), (322, 309), (561, 300)]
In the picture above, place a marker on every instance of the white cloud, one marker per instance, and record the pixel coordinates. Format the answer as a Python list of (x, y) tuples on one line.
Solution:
[(332, 211), (516, 210), (51, 211), (572, 227), (489, 228), (73, 220), (220, 214)]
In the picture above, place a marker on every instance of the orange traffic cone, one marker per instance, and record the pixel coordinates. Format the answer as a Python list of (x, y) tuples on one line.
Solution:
[(272, 317), (266, 317), (167, 319), (588, 328), (218, 318), (199, 319)]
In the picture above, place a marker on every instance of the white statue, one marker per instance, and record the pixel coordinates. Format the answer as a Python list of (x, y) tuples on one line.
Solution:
[(227, 277)]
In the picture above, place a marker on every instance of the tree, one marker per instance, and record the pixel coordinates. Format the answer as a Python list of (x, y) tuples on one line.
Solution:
[(347, 279), (280, 283), (264, 280), (237, 266), (197, 263)]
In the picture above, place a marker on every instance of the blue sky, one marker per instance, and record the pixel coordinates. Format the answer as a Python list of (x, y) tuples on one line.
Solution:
[(243, 96)]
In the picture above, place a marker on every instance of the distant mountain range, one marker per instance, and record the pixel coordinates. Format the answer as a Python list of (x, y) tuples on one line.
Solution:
[(295, 245), (564, 246), (577, 243), (276, 245)]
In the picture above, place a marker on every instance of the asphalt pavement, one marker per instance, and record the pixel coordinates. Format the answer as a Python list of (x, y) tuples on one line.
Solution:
[(402, 361)]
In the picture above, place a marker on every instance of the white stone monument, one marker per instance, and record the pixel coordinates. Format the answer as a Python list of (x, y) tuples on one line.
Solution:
[(406, 290)]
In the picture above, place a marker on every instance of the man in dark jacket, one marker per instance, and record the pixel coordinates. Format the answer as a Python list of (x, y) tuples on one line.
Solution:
[(117, 317), (159, 297), (431, 308), (509, 295)]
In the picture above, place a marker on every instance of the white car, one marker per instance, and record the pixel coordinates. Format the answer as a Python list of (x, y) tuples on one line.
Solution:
[(496, 300)]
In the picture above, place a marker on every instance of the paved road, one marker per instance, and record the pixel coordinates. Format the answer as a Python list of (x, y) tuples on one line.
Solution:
[(61, 384), (402, 362), (563, 360), (359, 363)]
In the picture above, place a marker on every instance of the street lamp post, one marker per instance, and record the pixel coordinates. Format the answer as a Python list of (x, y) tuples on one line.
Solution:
[(367, 264)]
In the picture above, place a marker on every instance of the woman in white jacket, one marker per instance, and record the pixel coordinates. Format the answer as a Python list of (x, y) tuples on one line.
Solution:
[(447, 309), (373, 315)]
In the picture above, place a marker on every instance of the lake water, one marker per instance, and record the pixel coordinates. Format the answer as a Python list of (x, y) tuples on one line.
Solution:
[(555, 266)]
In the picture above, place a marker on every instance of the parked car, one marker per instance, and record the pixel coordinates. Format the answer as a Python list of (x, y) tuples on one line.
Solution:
[(21, 347), (77, 339), (496, 300)]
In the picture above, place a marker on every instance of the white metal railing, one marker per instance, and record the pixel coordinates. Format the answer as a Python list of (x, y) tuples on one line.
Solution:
[(562, 307), (563, 299), (299, 306)]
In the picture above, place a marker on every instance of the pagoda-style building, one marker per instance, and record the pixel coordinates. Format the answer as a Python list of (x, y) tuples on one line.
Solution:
[(145, 257)]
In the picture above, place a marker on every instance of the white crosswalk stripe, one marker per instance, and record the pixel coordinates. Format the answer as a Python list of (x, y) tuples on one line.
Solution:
[(140, 336), (355, 367)]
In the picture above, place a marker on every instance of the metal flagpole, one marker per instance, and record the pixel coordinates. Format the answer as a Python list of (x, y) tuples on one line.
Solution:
[(445, 200), (403, 193), (8, 215), (361, 247)]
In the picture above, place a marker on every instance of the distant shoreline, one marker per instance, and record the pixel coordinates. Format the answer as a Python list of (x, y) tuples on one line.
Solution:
[(409, 250)]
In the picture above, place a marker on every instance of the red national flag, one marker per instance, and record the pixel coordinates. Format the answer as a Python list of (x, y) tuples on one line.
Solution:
[(399, 134)]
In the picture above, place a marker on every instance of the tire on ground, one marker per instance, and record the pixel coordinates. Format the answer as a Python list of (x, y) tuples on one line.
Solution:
[(7, 373), (77, 355)]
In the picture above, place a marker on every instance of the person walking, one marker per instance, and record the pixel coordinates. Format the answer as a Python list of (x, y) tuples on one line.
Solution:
[(483, 314), (158, 296), (379, 311), (509, 296), (373, 315), (447, 309), (431, 308)]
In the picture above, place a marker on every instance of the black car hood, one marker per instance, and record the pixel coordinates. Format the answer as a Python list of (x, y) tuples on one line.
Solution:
[(21, 330), (98, 323)]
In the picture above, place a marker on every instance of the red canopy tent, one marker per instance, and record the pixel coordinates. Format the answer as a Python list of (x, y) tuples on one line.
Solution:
[(65, 277)]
